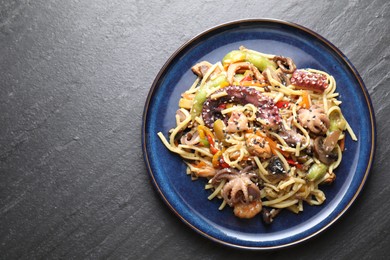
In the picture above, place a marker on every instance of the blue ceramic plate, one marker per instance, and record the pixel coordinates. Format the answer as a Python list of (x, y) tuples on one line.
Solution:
[(188, 199)]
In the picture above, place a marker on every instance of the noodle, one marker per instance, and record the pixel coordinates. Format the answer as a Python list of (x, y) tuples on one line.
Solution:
[(282, 163)]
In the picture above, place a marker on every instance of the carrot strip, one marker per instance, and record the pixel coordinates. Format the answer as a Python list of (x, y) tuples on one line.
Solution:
[(305, 103)]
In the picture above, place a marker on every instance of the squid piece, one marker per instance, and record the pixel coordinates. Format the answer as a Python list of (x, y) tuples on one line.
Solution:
[(235, 67), (285, 64)]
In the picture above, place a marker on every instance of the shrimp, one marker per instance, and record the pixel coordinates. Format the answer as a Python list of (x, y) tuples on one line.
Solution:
[(247, 210), (257, 145)]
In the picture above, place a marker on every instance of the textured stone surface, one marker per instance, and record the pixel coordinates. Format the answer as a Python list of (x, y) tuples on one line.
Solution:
[(74, 77)]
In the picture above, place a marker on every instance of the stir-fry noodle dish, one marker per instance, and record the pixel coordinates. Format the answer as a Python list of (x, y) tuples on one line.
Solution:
[(265, 134)]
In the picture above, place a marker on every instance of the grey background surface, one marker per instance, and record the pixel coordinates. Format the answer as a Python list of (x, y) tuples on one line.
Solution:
[(74, 76)]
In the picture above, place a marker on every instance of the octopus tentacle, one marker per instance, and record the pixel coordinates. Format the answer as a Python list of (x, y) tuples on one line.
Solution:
[(267, 111), (226, 173), (303, 79)]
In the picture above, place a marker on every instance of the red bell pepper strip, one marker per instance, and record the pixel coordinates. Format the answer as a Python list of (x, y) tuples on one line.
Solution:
[(294, 163), (223, 163), (282, 104), (213, 150)]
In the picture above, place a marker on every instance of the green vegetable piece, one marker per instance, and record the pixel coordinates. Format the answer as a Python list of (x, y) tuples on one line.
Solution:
[(233, 56), (218, 81), (238, 77), (337, 121), (201, 95), (199, 99), (204, 142), (256, 59), (259, 61), (317, 171), (218, 129)]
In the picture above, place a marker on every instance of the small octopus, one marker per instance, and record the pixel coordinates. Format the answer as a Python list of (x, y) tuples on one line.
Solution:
[(240, 191), (239, 187), (314, 119)]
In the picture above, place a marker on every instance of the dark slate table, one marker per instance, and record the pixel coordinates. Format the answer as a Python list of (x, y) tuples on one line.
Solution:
[(74, 77)]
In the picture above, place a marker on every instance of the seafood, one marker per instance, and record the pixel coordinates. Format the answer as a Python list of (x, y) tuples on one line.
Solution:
[(257, 146), (314, 119), (247, 210), (234, 68), (267, 112), (304, 79), (285, 64), (239, 187), (237, 122)]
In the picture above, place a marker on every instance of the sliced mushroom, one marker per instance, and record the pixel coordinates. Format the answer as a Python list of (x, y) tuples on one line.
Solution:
[(283, 78), (269, 215), (181, 115), (271, 72), (201, 68), (331, 140), (277, 75), (324, 152), (275, 166)]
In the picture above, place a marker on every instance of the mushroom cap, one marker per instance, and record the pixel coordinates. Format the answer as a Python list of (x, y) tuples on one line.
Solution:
[(324, 152), (201, 68)]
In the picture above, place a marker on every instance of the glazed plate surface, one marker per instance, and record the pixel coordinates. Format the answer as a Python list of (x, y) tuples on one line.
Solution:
[(188, 199)]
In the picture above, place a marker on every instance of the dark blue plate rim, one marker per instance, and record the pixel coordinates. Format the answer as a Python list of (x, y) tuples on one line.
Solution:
[(199, 37)]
